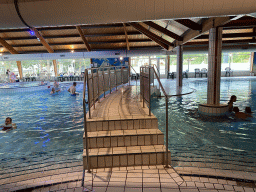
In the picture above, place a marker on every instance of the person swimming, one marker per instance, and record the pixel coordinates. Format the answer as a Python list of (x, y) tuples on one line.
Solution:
[(72, 89), (56, 85), (230, 103), (240, 115), (8, 124)]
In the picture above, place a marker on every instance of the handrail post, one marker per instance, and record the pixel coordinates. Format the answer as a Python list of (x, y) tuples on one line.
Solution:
[(149, 91), (116, 78), (109, 80), (98, 85), (93, 94), (103, 73), (88, 90), (166, 131)]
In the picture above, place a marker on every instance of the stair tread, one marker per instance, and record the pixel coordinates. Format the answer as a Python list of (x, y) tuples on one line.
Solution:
[(132, 132), (126, 150)]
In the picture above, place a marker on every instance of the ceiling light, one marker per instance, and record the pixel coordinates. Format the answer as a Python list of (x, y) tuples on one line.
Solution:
[(2, 50), (32, 32), (38, 39), (252, 43), (72, 51), (1, 54), (72, 46), (121, 58)]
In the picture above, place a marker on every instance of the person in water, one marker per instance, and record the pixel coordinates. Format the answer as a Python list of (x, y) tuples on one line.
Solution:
[(230, 103), (8, 124), (72, 89), (240, 115), (248, 110), (53, 91), (56, 85)]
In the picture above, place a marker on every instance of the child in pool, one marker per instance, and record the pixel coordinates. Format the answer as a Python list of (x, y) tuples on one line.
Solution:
[(8, 124), (240, 115), (230, 103)]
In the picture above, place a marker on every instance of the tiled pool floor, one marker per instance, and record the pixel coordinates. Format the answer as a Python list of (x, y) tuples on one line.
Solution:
[(126, 179)]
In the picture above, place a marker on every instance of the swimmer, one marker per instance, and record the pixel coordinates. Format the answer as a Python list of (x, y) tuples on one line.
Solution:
[(56, 86), (8, 124), (53, 91), (72, 89), (240, 115), (248, 110), (230, 103), (42, 83)]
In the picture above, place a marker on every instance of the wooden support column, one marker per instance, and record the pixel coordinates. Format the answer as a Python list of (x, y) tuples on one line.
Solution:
[(55, 67), (168, 64), (20, 69)]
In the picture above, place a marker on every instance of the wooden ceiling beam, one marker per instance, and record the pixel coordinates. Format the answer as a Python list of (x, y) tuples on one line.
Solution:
[(72, 36), (126, 37), (42, 40), (163, 30), (230, 35), (241, 22), (206, 26), (8, 46), (81, 42), (234, 42), (83, 38), (159, 40), (189, 24)]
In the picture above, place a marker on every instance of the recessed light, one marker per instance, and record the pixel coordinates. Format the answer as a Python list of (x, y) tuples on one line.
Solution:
[(1, 54), (72, 51)]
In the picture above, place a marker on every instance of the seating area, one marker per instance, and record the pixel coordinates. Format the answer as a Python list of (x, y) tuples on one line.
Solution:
[(228, 71), (172, 74), (201, 72)]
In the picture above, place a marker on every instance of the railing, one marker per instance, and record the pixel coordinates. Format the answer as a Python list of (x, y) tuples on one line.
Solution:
[(99, 81), (136, 78), (147, 78)]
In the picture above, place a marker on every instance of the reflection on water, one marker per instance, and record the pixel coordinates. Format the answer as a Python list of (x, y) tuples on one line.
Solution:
[(214, 142)]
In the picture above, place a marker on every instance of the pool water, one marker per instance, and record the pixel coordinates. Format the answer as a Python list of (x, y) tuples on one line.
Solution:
[(221, 143), (49, 127)]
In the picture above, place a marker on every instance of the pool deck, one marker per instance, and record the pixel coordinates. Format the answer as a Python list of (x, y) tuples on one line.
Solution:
[(67, 177)]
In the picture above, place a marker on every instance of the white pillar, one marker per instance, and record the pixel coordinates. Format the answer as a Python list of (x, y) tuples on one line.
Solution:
[(214, 66)]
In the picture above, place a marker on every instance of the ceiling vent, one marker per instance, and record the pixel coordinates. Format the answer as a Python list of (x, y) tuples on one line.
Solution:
[(62, 55)]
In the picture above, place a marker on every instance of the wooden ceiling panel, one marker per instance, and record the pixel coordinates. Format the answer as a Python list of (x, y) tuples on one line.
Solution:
[(65, 40), (59, 32), (103, 30), (69, 47)]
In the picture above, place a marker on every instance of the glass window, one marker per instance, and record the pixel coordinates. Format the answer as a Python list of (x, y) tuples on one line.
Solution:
[(236, 61), (173, 63), (12, 66), (137, 62)]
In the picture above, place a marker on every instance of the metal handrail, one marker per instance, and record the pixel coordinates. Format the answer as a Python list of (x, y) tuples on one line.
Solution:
[(85, 127), (154, 65), (166, 103), (135, 74), (91, 101)]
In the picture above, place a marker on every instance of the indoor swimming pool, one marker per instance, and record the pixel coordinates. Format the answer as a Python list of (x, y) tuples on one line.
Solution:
[(49, 128), (221, 143)]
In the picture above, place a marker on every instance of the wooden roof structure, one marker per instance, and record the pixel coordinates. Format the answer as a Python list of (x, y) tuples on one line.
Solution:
[(238, 31)]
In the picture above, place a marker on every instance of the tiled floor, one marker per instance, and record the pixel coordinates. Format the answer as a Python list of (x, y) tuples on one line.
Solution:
[(125, 179)]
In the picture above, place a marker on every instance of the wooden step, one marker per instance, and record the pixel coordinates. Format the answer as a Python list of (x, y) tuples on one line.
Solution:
[(126, 156), (124, 138)]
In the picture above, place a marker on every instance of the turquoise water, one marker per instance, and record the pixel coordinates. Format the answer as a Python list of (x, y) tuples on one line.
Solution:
[(223, 143), (49, 127)]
